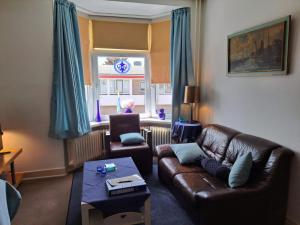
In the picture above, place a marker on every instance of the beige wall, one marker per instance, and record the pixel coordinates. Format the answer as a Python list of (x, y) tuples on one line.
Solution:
[(264, 106), (25, 82), (26, 78)]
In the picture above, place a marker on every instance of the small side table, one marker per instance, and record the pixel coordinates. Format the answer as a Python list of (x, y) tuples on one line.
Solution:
[(186, 132), (7, 158)]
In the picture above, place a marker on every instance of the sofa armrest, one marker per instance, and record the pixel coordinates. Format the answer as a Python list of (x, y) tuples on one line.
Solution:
[(164, 151), (147, 133)]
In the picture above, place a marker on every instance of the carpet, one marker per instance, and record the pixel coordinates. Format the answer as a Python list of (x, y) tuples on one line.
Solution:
[(165, 209), (44, 201)]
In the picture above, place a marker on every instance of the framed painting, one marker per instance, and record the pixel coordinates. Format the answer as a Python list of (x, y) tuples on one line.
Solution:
[(260, 50)]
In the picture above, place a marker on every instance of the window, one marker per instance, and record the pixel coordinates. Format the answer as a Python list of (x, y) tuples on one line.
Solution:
[(117, 86), (103, 87), (163, 98), (123, 78)]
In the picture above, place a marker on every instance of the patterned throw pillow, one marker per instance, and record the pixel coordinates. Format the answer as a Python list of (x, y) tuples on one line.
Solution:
[(215, 168)]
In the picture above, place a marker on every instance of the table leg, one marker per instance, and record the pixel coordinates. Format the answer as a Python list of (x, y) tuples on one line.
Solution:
[(13, 173), (85, 214), (147, 212)]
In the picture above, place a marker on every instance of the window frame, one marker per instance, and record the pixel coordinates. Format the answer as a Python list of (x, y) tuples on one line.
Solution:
[(149, 104)]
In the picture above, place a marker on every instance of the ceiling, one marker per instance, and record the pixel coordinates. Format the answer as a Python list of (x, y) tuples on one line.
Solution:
[(123, 9)]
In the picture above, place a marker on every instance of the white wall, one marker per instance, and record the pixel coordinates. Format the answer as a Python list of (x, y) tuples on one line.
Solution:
[(25, 82), (264, 106)]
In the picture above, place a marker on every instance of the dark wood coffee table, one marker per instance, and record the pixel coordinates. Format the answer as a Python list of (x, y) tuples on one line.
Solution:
[(131, 208)]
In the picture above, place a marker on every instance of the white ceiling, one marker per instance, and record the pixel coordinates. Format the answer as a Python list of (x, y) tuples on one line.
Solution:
[(123, 9)]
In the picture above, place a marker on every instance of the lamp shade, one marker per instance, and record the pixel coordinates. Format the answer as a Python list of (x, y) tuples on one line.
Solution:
[(191, 94)]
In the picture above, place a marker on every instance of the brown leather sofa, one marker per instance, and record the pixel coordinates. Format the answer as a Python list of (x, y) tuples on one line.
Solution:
[(262, 201)]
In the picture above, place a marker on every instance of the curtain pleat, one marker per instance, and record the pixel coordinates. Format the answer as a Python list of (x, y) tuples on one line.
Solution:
[(69, 116), (182, 72)]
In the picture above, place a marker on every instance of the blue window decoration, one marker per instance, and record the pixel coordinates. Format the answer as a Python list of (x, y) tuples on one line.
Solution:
[(122, 66)]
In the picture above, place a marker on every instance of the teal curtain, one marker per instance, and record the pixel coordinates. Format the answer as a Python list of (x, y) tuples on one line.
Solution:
[(69, 116), (182, 72)]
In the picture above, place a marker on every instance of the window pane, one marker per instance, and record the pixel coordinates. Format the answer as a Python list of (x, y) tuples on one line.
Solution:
[(125, 77), (112, 84), (103, 87), (163, 97), (126, 87), (136, 87), (120, 86)]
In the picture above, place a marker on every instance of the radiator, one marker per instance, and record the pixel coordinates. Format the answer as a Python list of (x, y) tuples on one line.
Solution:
[(160, 136), (82, 149), (92, 145)]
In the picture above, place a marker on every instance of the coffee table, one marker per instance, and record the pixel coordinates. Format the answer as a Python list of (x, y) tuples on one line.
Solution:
[(131, 208)]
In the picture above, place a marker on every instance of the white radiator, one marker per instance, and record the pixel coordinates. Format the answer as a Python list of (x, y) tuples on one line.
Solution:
[(92, 145), (160, 136), (82, 149)]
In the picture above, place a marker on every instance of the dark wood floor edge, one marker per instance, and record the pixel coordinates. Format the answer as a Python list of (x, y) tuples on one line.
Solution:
[(70, 194)]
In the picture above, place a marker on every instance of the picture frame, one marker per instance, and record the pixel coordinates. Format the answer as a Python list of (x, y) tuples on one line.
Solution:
[(261, 50)]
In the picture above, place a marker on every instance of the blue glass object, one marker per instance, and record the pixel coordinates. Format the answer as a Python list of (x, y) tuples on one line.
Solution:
[(122, 66), (101, 170), (162, 114), (128, 110), (98, 116)]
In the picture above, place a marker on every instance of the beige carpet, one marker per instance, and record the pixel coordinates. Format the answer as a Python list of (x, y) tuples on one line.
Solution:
[(45, 202)]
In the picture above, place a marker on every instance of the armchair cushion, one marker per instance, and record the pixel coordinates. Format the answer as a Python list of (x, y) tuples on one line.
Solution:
[(131, 138), (4, 214), (10, 201), (13, 200)]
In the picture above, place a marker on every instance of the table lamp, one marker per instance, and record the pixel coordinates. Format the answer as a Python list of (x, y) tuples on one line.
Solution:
[(191, 96), (1, 133)]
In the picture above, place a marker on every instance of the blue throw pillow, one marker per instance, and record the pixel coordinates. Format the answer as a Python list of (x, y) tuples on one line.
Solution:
[(131, 138), (240, 171), (187, 152)]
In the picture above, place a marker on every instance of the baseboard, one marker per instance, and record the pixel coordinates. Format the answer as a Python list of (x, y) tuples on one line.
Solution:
[(43, 174), (289, 222)]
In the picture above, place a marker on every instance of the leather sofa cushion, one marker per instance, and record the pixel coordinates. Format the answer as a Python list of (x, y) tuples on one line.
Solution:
[(214, 140), (243, 143), (171, 167), (189, 184)]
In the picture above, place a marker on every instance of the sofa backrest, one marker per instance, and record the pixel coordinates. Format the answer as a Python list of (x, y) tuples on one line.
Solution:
[(214, 140), (243, 143)]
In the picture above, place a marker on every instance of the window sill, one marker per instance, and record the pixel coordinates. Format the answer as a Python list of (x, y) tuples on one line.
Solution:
[(144, 122)]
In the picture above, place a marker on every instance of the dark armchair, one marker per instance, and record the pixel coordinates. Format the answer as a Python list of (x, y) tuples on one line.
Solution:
[(142, 153)]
